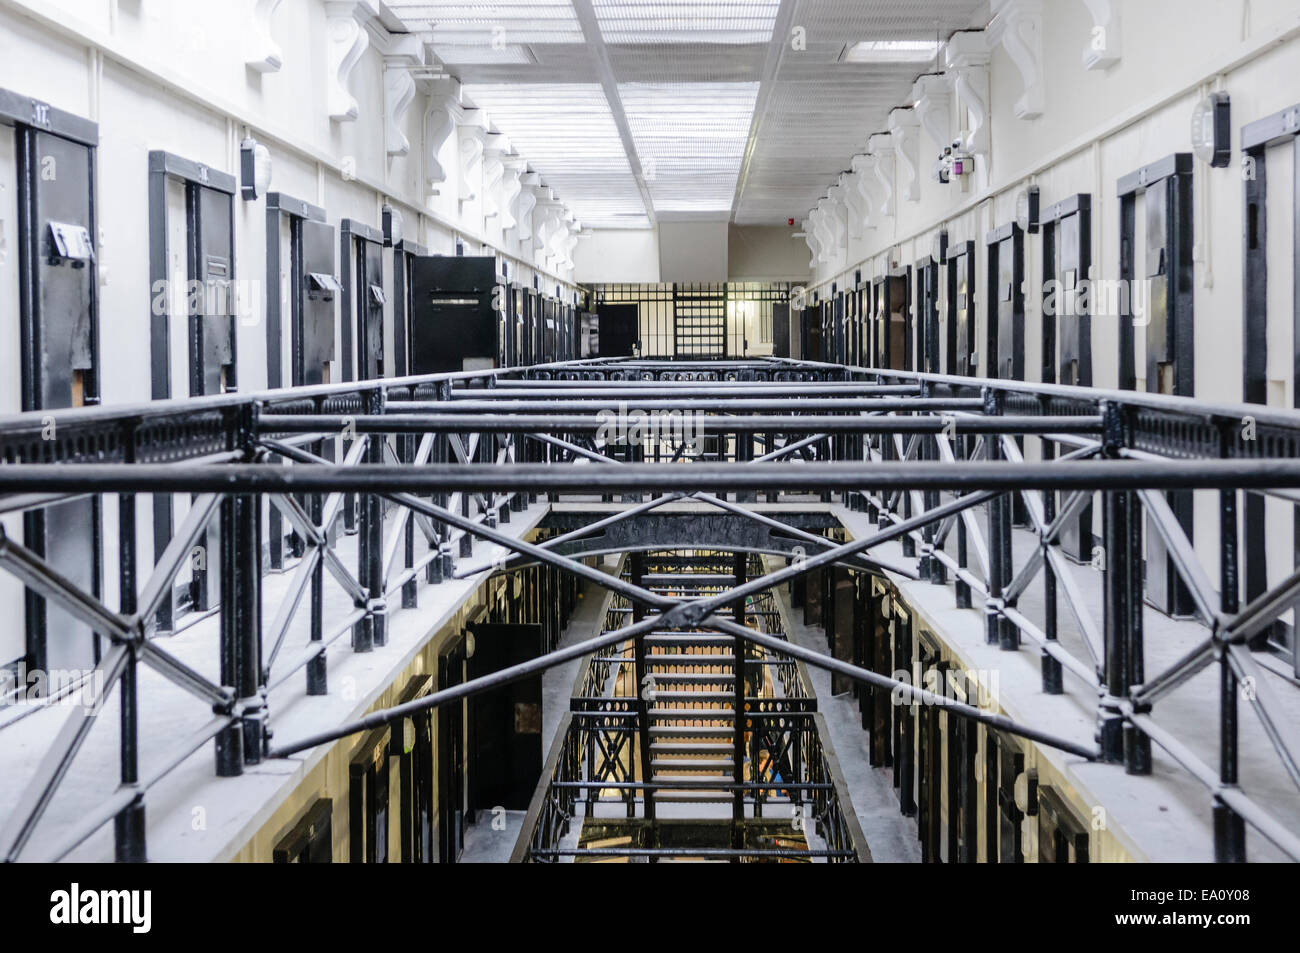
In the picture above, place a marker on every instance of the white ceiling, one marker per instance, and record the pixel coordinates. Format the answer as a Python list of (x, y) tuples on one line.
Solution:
[(638, 109)]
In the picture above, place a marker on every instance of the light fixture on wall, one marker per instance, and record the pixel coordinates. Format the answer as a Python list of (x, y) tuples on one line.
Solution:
[(1212, 130), (254, 169), (1028, 205)]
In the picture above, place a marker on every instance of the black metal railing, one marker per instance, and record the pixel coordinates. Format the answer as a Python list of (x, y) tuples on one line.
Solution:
[(422, 468)]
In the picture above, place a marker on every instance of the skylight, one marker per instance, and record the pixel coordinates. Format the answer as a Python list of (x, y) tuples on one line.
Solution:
[(686, 21), (495, 25), (890, 51), (691, 139), (567, 133)]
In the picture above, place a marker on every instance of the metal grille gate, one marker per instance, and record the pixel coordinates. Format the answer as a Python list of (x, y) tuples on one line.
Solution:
[(700, 320)]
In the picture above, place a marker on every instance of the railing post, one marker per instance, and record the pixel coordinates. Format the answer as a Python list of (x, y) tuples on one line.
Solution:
[(241, 611), (1053, 675), (372, 630), (637, 572), (1121, 558), (1229, 826), (998, 630), (738, 703), (129, 824)]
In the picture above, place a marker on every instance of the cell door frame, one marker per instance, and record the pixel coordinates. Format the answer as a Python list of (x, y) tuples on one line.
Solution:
[(353, 238), (996, 244), (926, 275), (953, 254), (405, 252), (1050, 225), (29, 118), (165, 166), (280, 206), (1173, 175), (1256, 139)]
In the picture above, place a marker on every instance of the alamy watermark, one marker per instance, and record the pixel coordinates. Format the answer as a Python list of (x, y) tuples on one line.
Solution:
[(635, 427), (74, 687)]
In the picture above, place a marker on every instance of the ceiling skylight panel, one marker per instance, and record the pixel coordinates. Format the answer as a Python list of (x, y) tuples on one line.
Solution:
[(691, 139), (686, 21), (492, 24)]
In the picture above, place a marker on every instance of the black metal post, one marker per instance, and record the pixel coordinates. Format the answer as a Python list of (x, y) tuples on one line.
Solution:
[(129, 824), (738, 704), (1229, 826), (644, 687)]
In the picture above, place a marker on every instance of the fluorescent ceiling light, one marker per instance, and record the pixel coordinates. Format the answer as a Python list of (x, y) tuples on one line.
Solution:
[(686, 21), (891, 51)]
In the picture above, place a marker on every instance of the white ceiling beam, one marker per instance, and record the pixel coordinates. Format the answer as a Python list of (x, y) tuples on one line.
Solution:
[(776, 48), (596, 44)]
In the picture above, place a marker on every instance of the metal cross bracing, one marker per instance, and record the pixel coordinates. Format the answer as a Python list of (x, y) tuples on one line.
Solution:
[(655, 723), (437, 463)]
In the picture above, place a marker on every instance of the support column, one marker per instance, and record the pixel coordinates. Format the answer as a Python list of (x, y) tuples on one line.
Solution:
[(738, 703), (1229, 826), (644, 690), (129, 824)]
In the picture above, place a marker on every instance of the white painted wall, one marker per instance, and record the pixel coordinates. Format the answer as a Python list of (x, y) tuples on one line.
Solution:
[(693, 251), (171, 75), (1101, 125), (611, 256)]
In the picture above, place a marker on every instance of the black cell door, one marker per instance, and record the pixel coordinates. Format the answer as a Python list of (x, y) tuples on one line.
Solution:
[(505, 723), (618, 330), (59, 348)]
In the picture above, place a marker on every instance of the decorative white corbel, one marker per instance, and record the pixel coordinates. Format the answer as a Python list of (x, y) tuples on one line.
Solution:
[(882, 147), (495, 148), (402, 53), (439, 123), (1103, 49), (264, 55), (546, 218), (511, 190), (530, 183), (348, 39), (904, 127), (864, 173), (967, 54), (854, 213), (556, 233), (836, 208), (1018, 26), (570, 244), (822, 229), (810, 240), (399, 91), (932, 94), (472, 139)]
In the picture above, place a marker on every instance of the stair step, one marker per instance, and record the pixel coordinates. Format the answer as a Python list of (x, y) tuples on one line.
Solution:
[(696, 714), (661, 695), (692, 797), (659, 747), (689, 659), (692, 638), (704, 677), (712, 764), (685, 731)]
